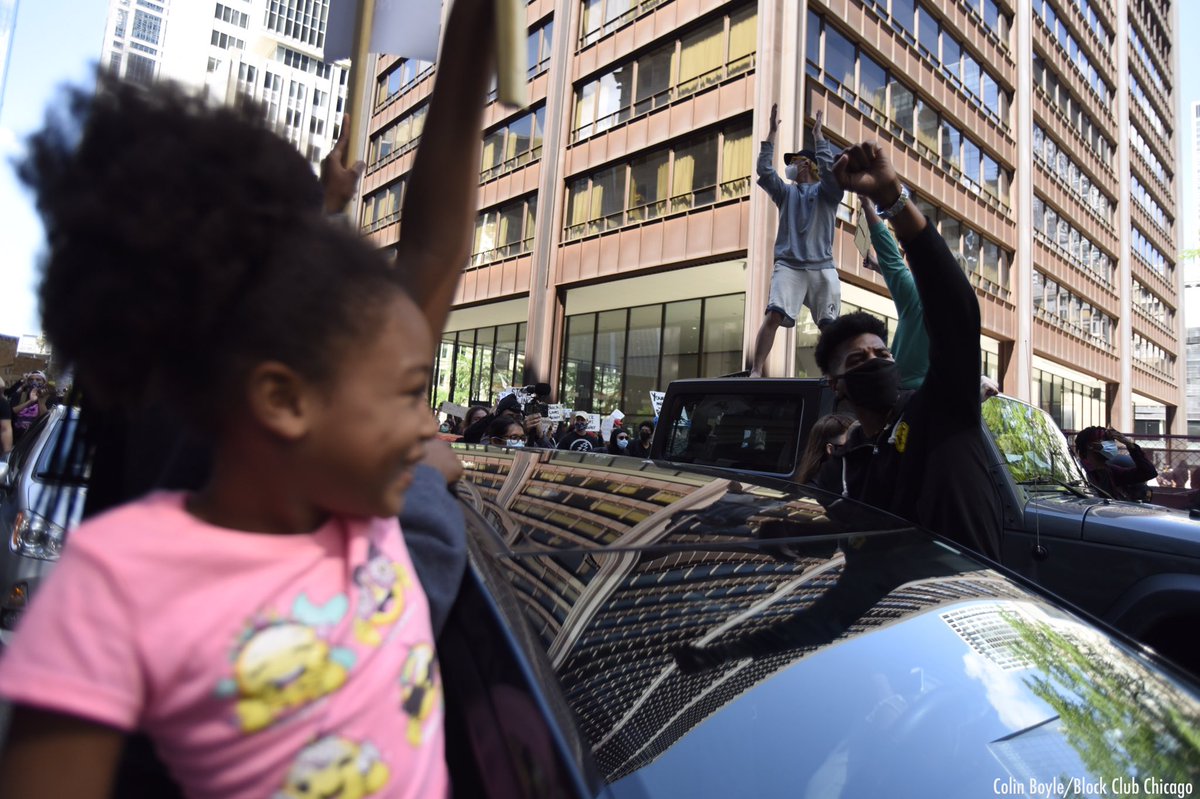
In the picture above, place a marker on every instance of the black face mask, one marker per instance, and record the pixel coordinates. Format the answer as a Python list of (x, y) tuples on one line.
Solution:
[(581, 427), (645, 434), (875, 385)]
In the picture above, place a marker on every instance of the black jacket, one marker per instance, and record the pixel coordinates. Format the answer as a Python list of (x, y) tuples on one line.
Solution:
[(929, 465)]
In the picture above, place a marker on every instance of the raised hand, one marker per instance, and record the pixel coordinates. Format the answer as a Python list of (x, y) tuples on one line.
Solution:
[(338, 180), (819, 125), (866, 169), (774, 120)]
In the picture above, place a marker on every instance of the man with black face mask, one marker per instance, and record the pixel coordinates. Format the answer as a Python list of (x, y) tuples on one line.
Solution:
[(919, 454), (579, 439), (640, 446)]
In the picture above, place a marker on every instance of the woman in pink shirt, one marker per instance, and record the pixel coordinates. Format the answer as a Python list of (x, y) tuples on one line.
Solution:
[(268, 631)]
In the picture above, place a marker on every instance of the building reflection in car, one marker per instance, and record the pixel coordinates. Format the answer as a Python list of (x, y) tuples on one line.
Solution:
[(846, 656)]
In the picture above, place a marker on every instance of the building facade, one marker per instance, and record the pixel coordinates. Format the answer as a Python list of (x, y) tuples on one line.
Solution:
[(8, 28), (622, 243), (269, 50)]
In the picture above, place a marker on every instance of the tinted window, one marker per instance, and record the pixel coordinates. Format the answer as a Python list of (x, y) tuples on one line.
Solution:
[(732, 431)]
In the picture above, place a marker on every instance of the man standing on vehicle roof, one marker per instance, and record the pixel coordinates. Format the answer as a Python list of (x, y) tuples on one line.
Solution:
[(919, 454), (804, 273)]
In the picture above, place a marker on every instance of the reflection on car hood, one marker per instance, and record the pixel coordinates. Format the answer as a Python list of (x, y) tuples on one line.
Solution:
[(1150, 527), (721, 637)]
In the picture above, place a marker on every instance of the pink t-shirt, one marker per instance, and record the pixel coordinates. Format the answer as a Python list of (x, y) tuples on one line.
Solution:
[(261, 665)]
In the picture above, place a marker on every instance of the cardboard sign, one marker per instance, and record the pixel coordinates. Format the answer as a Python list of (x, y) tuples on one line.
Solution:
[(862, 234), (454, 409), (593, 423), (556, 413), (656, 401)]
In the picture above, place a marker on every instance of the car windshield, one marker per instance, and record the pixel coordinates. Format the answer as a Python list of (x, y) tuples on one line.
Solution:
[(1034, 449)]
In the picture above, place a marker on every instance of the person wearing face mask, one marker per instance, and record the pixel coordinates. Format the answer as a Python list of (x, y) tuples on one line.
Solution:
[(506, 432), (639, 446), (804, 273), (578, 438), (1098, 452), (618, 442), (919, 454), (827, 435)]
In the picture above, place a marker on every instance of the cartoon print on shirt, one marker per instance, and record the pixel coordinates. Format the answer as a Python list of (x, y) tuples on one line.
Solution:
[(381, 583), (282, 665), (335, 766), (420, 694)]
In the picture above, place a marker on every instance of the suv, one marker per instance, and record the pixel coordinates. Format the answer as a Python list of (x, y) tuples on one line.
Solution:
[(41, 498), (1134, 565)]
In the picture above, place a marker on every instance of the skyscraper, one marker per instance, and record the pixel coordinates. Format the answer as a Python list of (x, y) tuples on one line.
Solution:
[(270, 50), (8, 26), (621, 242)]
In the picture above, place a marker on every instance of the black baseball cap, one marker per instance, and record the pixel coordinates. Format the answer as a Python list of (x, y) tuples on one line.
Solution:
[(809, 154)]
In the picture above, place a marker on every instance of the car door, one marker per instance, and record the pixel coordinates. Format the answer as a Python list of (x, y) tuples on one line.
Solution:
[(509, 734)]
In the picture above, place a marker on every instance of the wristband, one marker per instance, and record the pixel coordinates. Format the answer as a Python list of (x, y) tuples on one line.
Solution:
[(896, 207)]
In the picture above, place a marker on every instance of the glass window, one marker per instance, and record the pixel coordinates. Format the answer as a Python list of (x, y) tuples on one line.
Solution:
[(951, 56), (577, 375), (927, 126), (493, 149), (839, 58), (723, 334), (990, 92), (872, 82), (614, 98), (991, 262), (970, 74), (737, 157), (654, 79), (991, 175), (813, 44), (970, 162), (608, 197), (951, 230), (609, 361), (681, 341), (648, 186), (902, 106), (951, 144), (743, 39), (701, 58), (695, 174), (903, 14), (927, 32), (585, 107), (592, 20), (641, 361)]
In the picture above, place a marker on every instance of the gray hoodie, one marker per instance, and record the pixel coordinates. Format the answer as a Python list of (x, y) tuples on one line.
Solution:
[(807, 211)]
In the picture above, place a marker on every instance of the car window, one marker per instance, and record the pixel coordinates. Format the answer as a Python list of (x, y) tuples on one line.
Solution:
[(736, 431), (62, 460), (1032, 446), (505, 723)]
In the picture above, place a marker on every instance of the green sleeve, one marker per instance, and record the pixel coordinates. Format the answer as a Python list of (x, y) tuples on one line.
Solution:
[(910, 345)]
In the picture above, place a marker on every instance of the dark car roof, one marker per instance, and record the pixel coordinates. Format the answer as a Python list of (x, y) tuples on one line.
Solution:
[(844, 654)]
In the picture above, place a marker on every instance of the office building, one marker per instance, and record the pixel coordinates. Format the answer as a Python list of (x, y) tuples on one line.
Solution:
[(269, 50), (621, 242), (8, 28)]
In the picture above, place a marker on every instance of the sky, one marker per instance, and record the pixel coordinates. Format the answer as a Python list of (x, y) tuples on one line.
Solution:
[(58, 41)]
